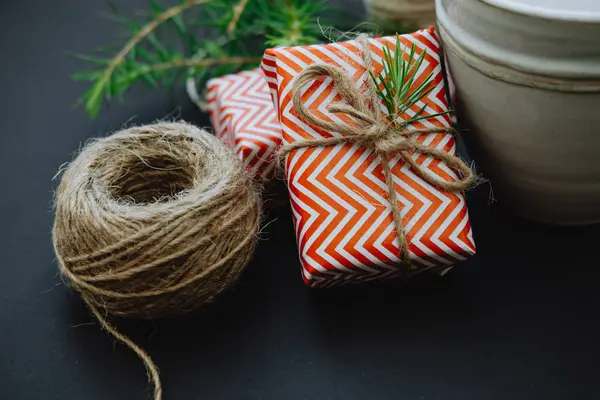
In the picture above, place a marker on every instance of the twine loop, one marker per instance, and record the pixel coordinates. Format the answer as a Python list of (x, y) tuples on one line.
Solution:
[(372, 130)]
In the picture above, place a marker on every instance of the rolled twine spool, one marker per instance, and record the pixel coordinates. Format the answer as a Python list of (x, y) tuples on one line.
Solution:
[(154, 221)]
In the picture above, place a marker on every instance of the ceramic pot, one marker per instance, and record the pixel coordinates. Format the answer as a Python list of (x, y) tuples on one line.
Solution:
[(526, 75), (403, 15)]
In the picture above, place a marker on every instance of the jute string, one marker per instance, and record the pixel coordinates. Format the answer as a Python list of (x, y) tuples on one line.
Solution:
[(154, 221), (372, 130)]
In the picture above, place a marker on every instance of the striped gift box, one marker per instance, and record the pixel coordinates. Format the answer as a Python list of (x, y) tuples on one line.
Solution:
[(243, 116), (343, 220)]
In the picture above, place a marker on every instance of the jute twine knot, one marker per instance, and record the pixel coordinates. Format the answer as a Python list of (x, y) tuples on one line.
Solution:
[(372, 130), (154, 221)]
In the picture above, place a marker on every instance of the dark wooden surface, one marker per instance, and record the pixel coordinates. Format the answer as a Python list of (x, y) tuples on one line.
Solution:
[(519, 321)]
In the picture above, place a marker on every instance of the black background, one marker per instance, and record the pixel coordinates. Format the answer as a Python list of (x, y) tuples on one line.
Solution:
[(519, 321)]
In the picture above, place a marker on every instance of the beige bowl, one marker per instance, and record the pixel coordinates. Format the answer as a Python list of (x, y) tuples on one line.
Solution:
[(527, 83), (402, 14)]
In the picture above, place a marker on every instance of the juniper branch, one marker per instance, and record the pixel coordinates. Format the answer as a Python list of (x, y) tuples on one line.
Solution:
[(235, 34), (142, 33), (237, 13), (188, 62)]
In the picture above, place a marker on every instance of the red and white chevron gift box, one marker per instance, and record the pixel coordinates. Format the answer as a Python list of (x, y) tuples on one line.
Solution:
[(344, 224), (243, 116)]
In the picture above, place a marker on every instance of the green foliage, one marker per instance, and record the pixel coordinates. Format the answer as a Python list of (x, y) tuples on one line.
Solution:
[(293, 24), (396, 85), (200, 39)]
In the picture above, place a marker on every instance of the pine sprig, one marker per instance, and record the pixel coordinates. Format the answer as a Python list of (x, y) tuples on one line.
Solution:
[(166, 44), (105, 85), (293, 24), (396, 84)]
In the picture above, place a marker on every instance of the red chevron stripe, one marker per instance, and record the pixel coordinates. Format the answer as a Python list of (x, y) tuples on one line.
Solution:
[(242, 114)]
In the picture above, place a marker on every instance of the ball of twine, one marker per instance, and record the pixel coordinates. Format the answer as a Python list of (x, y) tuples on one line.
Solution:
[(154, 221)]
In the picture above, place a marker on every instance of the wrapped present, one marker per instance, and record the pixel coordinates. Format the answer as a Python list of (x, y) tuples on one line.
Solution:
[(243, 116), (369, 200)]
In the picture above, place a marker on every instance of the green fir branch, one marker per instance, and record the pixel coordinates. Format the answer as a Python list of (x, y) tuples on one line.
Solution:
[(396, 85), (195, 39)]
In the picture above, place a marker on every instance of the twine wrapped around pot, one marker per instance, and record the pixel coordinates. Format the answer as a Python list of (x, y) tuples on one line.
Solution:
[(154, 221)]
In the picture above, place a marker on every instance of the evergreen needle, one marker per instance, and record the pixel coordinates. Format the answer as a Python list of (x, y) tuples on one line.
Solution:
[(234, 36), (397, 86)]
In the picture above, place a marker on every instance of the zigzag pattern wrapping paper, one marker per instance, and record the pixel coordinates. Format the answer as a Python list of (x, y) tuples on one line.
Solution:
[(243, 116), (343, 220)]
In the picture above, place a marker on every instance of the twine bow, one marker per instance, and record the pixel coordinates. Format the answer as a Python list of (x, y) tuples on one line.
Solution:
[(373, 131)]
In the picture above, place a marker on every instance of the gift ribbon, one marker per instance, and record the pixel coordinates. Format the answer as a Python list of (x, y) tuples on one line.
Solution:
[(371, 130)]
